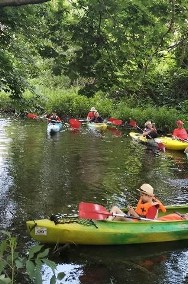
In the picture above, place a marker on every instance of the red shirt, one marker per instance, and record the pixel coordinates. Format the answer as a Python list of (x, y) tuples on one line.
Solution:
[(180, 133)]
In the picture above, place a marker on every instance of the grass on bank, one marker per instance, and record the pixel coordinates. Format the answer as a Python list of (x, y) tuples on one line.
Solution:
[(68, 103)]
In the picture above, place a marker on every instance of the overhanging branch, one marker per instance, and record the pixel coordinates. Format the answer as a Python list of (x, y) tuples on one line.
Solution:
[(5, 3)]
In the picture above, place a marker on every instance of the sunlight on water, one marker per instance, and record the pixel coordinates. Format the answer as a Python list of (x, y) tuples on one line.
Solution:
[(72, 273), (7, 206), (177, 268)]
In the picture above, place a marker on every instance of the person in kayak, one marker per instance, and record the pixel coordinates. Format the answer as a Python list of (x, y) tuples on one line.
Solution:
[(97, 118), (180, 131), (91, 114), (147, 206), (150, 130), (54, 118)]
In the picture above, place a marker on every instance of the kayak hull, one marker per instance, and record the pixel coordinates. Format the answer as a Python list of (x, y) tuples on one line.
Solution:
[(87, 232), (97, 126), (173, 144), (169, 143), (54, 127)]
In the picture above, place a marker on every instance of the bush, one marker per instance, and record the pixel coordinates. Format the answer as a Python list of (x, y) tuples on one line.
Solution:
[(28, 268)]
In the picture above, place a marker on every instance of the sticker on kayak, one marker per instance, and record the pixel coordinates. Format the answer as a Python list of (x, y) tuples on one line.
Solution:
[(40, 231)]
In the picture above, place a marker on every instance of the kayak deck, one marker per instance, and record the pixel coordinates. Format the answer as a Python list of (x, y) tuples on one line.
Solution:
[(54, 127), (97, 126)]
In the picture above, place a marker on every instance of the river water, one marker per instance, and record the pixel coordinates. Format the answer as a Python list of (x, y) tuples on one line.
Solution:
[(43, 175)]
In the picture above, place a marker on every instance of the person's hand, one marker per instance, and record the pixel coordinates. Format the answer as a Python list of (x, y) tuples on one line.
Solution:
[(131, 210)]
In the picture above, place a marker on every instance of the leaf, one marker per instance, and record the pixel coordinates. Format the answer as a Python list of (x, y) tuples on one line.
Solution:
[(3, 247), (50, 263), (60, 275), (2, 265), (33, 250), (43, 254), (38, 275), (19, 263), (53, 280), (30, 268), (4, 280)]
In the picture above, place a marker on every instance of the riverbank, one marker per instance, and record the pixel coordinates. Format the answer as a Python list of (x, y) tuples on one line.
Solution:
[(68, 103)]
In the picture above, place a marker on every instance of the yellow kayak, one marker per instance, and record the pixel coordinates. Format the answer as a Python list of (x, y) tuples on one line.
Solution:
[(173, 144), (97, 126), (169, 143)]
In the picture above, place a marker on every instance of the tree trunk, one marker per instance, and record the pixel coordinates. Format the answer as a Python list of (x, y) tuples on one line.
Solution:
[(4, 3)]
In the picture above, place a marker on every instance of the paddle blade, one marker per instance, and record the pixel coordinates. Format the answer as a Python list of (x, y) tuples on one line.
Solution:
[(92, 211), (74, 123), (115, 121), (161, 147), (132, 123)]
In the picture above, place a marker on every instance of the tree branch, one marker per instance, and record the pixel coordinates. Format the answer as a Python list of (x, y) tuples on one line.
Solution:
[(5, 3)]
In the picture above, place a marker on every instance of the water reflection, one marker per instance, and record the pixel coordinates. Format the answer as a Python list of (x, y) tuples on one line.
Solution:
[(117, 264)]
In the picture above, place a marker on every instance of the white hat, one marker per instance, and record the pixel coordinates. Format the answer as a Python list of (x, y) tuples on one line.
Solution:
[(93, 109), (147, 189), (148, 122)]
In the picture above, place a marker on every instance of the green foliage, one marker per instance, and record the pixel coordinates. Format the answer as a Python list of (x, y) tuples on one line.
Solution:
[(13, 266), (163, 117), (124, 48)]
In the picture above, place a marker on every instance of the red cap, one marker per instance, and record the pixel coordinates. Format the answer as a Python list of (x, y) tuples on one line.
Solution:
[(179, 122)]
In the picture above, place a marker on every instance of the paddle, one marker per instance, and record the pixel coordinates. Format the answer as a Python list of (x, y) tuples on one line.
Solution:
[(160, 145), (181, 139), (74, 123), (115, 121), (98, 212)]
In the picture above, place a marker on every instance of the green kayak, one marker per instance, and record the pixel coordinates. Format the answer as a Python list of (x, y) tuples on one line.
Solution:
[(74, 230)]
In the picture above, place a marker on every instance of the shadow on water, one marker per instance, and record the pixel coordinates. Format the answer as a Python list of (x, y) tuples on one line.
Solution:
[(122, 264)]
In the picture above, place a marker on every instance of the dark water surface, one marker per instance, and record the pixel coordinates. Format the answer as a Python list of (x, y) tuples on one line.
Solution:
[(42, 175)]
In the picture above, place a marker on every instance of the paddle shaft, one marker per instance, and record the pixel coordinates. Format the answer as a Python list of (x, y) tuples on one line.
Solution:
[(161, 146), (130, 217)]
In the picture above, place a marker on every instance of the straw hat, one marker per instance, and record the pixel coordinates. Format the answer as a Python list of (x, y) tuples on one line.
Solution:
[(93, 109), (147, 189), (148, 122)]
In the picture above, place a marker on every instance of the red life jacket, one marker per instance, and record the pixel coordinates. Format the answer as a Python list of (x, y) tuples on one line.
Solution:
[(91, 115), (32, 115)]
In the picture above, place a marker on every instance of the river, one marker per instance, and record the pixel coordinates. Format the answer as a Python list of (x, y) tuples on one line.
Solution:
[(43, 175)]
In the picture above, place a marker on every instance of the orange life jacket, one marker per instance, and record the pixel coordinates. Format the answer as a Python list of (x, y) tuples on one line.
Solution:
[(142, 208)]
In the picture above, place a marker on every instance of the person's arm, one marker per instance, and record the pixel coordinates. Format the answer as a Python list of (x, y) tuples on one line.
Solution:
[(158, 202), (175, 134), (148, 132), (132, 212)]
